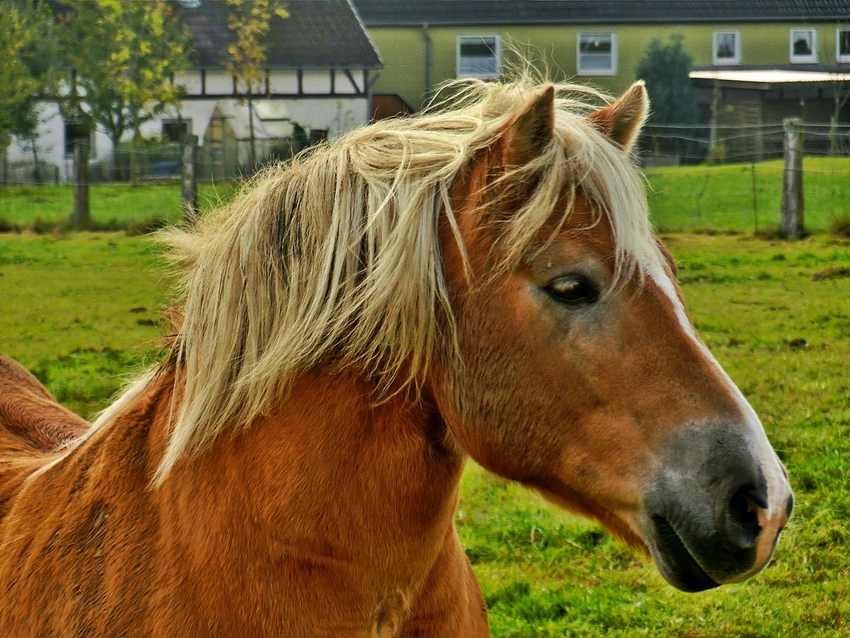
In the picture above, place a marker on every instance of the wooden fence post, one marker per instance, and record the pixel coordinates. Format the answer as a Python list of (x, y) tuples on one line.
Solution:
[(792, 186), (190, 182), (81, 217)]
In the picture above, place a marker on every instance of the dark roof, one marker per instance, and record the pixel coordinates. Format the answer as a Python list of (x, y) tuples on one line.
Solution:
[(317, 34), (473, 12)]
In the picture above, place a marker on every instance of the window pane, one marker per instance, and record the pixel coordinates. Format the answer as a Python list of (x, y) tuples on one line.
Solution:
[(802, 42), (595, 62), (595, 43), (476, 50), (725, 45), (595, 52), (73, 133), (478, 56), (844, 42), (175, 131)]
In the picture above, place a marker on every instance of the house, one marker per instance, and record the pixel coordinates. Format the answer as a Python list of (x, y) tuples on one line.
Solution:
[(755, 61), (320, 66)]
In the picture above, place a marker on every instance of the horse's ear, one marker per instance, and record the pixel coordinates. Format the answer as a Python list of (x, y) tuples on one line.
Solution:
[(531, 129), (622, 119)]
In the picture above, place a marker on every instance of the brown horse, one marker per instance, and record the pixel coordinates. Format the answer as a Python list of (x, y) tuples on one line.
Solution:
[(478, 281)]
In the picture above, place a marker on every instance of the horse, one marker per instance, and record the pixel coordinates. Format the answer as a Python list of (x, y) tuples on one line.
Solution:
[(479, 281)]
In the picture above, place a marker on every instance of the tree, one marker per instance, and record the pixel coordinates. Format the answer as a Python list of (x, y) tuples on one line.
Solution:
[(122, 55), (249, 22), (665, 68), (28, 68), (40, 56)]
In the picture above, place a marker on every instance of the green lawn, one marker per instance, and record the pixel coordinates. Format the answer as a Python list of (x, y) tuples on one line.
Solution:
[(682, 198), (82, 312), (119, 204)]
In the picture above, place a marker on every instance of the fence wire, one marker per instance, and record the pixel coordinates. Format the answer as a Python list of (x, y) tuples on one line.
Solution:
[(728, 178)]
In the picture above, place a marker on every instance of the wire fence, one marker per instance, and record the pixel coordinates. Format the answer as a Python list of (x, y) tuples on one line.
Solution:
[(150, 163), (726, 178), (729, 178)]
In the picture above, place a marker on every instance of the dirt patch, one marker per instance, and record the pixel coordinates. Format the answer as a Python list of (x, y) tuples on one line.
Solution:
[(834, 272)]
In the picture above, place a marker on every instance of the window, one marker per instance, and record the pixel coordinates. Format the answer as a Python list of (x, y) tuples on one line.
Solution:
[(727, 47), (318, 135), (175, 130), (479, 56), (803, 45), (596, 53), (75, 132), (842, 45)]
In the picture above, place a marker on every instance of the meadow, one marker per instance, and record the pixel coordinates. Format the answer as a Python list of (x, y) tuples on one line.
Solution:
[(728, 197), (83, 312)]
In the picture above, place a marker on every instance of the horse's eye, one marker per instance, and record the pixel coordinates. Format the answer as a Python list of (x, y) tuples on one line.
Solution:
[(573, 290)]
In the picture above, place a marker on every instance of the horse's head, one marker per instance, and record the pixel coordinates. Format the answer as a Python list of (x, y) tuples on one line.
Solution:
[(583, 377)]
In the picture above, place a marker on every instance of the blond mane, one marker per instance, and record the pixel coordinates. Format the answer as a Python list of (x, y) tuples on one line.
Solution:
[(336, 257)]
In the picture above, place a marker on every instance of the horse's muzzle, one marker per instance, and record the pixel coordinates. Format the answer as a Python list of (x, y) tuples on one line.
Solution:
[(714, 512)]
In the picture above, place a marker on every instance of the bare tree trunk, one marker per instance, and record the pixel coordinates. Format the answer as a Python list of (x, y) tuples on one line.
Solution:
[(117, 171), (81, 217), (36, 172), (253, 158), (135, 163), (190, 183)]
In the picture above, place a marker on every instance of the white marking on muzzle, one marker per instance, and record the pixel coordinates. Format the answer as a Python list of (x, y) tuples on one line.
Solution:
[(778, 489)]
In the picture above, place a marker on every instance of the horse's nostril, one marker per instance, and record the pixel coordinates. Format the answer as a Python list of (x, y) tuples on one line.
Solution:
[(742, 516)]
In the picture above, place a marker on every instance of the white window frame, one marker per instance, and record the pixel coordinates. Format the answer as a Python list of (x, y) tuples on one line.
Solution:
[(610, 71), (802, 59), (479, 36), (838, 55), (736, 59)]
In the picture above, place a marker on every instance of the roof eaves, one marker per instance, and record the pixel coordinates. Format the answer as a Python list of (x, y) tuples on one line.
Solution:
[(561, 22), (375, 49)]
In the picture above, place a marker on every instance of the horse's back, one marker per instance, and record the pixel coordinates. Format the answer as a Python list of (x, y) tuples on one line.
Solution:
[(32, 425), (29, 412)]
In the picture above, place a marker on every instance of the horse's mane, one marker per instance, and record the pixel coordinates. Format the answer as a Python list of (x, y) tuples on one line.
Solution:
[(335, 256)]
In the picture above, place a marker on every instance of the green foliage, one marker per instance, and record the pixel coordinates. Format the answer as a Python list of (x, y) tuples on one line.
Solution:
[(249, 22), (123, 54), (665, 69), (27, 68), (85, 312)]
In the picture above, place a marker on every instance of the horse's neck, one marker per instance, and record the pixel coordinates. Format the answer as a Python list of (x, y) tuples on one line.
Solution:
[(327, 479), (329, 511)]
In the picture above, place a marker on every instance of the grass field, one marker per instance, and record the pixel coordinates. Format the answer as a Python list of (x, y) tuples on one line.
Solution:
[(82, 311), (745, 197), (732, 197), (115, 204)]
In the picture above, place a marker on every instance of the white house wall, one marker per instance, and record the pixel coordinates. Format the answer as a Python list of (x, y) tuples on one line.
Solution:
[(337, 116), (219, 82), (283, 82), (316, 82)]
